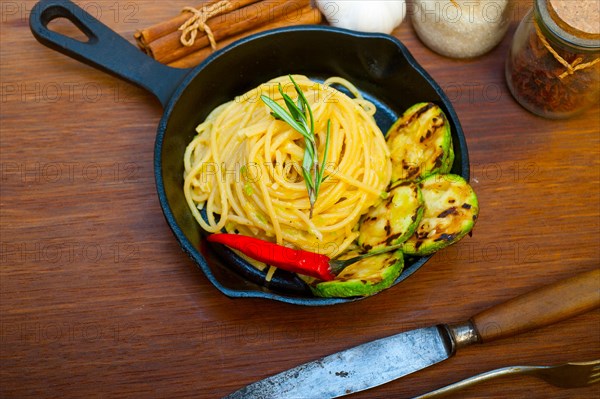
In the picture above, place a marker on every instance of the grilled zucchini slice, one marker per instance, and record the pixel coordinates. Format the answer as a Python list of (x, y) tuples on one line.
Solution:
[(394, 219), (363, 278), (451, 209), (420, 143)]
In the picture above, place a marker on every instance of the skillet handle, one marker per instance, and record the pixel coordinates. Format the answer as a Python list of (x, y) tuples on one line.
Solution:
[(105, 49)]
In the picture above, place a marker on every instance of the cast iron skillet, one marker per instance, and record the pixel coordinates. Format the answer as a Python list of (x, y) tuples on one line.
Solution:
[(379, 65)]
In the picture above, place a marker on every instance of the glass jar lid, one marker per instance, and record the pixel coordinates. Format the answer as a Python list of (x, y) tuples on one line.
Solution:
[(574, 22)]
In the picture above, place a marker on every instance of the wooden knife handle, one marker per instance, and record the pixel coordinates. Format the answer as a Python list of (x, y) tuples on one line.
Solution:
[(542, 307)]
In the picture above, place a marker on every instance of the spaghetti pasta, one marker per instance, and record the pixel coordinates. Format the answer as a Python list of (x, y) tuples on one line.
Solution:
[(243, 169)]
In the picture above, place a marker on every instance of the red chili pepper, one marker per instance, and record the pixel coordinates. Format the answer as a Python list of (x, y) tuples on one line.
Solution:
[(293, 260)]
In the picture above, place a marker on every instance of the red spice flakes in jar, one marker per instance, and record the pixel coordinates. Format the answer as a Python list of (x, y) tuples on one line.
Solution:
[(554, 65)]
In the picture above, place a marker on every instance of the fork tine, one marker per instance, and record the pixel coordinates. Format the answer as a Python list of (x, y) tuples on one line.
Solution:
[(568, 375), (595, 375)]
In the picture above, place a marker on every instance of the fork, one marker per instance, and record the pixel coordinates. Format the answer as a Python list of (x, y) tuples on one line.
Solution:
[(568, 375)]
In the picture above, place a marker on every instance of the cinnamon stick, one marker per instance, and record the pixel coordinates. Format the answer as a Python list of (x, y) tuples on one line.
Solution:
[(168, 48), (145, 36), (305, 16)]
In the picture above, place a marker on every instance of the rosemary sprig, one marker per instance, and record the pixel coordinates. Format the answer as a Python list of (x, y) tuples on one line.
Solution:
[(296, 116)]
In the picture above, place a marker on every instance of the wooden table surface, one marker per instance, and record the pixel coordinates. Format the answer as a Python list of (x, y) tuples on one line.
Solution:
[(98, 300)]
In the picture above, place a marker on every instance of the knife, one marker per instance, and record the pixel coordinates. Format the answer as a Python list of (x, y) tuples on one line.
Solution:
[(378, 362)]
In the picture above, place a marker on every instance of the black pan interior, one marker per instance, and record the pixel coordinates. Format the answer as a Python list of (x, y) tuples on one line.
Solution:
[(378, 65)]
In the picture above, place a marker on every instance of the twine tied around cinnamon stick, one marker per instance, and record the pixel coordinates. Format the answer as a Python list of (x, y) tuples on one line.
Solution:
[(571, 67), (197, 23)]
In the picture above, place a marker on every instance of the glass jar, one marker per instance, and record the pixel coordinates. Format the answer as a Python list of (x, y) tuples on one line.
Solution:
[(461, 28), (553, 69)]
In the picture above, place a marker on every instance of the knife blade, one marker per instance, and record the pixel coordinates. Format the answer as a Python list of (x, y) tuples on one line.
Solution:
[(377, 362), (352, 369)]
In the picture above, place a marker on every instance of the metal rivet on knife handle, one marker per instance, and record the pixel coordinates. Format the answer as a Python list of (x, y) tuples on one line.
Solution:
[(463, 334)]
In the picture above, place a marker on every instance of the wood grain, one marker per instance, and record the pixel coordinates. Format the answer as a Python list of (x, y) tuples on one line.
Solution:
[(97, 299)]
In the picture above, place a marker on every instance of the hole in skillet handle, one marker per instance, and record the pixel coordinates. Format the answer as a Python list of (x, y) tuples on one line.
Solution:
[(385, 73), (104, 49), (66, 13), (65, 27)]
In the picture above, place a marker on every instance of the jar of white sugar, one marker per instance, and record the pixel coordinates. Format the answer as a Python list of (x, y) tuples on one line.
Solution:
[(461, 28)]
